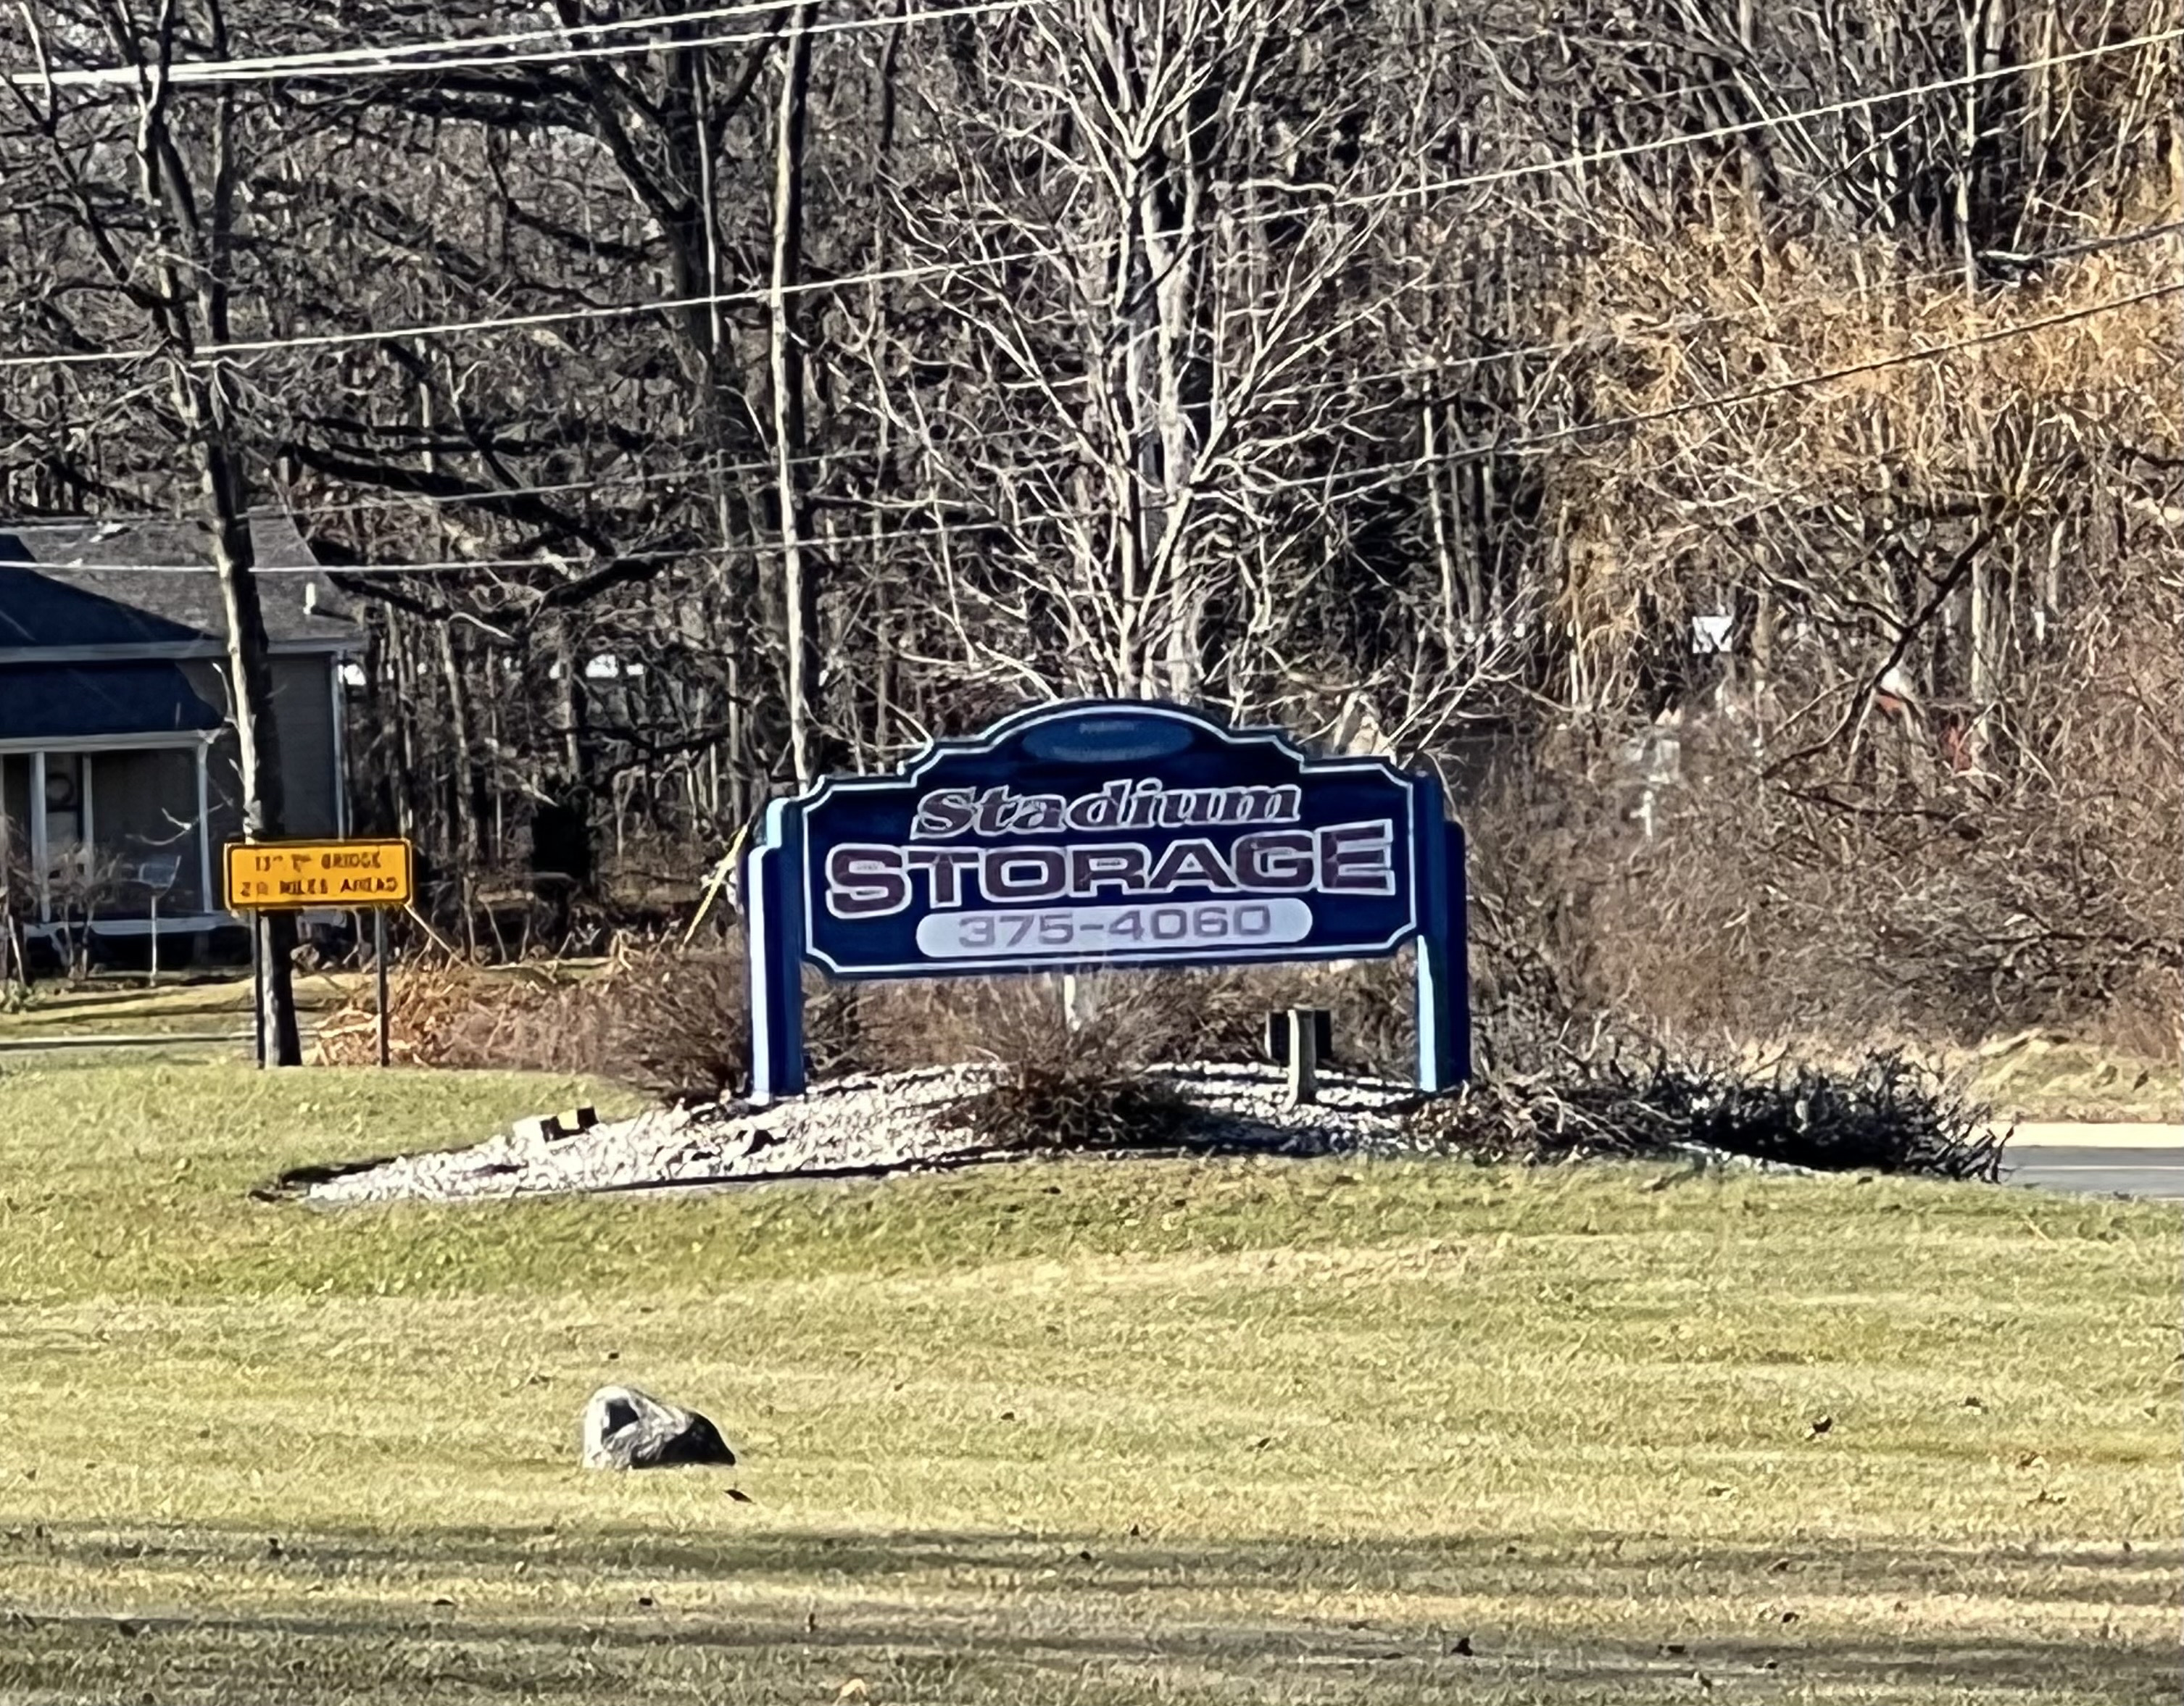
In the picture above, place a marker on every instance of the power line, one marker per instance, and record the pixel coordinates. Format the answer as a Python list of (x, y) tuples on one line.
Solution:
[(467, 565), (524, 322), (1731, 317), (1745, 127), (486, 495), (1732, 399), (965, 268), (358, 62), (617, 482), (1414, 464), (483, 496), (1679, 325), (709, 467), (449, 565), (375, 57), (198, 70)]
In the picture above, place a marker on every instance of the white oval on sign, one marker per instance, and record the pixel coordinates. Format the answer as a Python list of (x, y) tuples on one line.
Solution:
[(1093, 932)]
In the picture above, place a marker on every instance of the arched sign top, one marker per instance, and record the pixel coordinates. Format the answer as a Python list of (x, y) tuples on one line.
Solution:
[(1100, 734), (1098, 834), (1107, 737)]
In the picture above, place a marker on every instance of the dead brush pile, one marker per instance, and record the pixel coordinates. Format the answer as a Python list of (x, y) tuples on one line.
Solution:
[(1890, 1115), (445, 1013)]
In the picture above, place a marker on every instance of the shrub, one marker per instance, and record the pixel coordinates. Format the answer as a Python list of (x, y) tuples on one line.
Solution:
[(1069, 1082), (1873, 890), (677, 1024), (1148, 1016), (1068, 1108)]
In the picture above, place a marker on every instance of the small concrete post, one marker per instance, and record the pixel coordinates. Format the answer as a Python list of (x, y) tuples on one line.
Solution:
[(1080, 1001), (1304, 1057)]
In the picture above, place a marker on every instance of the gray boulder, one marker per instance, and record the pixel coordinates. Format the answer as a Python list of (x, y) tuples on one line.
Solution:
[(626, 1429)]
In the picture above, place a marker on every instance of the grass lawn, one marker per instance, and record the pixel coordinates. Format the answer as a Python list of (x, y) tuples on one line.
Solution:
[(1091, 1432)]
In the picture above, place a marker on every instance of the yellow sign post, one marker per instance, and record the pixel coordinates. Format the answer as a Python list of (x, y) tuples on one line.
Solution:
[(341, 876)]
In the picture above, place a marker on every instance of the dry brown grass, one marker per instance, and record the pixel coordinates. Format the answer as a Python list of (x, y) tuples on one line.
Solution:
[(672, 1022), (668, 1023)]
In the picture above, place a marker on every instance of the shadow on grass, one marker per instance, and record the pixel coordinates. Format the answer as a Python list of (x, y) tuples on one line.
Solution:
[(1593, 1565), (558, 1613)]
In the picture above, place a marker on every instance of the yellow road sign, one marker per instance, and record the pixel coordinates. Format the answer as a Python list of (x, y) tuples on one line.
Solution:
[(270, 876)]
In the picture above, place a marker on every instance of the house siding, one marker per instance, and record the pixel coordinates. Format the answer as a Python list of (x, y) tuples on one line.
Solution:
[(303, 714)]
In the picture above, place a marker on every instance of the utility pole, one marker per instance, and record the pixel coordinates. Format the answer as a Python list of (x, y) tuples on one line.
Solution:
[(784, 298)]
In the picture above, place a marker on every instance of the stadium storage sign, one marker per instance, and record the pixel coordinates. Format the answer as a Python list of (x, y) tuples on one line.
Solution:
[(1105, 834)]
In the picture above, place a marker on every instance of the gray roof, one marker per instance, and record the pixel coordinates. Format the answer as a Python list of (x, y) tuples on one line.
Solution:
[(98, 584)]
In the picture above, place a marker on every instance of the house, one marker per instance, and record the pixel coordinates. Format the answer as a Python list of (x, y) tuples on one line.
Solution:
[(120, 779)]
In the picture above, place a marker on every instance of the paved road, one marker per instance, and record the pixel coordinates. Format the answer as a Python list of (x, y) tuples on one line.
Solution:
[(2137, 1172), (35, 1044), (2140, 1160)]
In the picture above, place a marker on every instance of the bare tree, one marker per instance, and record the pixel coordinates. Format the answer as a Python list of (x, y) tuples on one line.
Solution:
[(166, 244), (1390, 369)]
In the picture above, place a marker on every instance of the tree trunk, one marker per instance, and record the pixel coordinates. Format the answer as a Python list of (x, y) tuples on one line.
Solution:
[(735, 581)]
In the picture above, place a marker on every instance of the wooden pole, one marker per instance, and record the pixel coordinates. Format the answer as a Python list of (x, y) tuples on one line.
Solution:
[(798, 591)]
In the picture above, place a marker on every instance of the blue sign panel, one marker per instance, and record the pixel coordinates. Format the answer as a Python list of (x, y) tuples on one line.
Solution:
[(1110, 836), (1102, 834)]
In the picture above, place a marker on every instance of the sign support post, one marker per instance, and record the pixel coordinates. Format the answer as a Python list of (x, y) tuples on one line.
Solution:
[(257, 984), (1442, 959), (773, 949), (1304, 1056), (379, 974)]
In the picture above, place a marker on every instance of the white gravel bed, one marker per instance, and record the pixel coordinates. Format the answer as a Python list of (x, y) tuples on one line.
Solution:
[(875, 1123), (868, 1123)]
